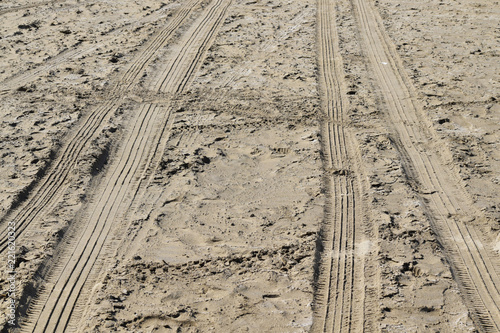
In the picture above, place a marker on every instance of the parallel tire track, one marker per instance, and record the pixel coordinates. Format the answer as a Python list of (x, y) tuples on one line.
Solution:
[(340, 300), (54, 307), (55, 181), (81, 50), (197, 43), (61, 295), (446, 202), (132, 73)]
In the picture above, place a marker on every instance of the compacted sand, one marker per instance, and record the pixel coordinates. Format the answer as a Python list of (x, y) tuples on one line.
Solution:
[(250, 166)]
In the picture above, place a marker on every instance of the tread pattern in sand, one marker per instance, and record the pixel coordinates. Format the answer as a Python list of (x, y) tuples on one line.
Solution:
[(47, 193), (54, 307), (447, 203), (81, 50), (341, 298)]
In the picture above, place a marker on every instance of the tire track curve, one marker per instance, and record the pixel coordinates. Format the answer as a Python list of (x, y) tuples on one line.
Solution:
[(44, 196), (454, 218), (341, 299), (55, 308)]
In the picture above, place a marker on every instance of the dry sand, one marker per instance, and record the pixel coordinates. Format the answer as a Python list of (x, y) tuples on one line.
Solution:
[(251, 166)]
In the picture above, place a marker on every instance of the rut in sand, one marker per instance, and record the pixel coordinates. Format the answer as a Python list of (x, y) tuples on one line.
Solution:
[(47, 193), (458, 224), (344, 301), (68, 277)]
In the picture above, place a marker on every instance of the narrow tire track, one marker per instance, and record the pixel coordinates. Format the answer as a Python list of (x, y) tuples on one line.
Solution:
[(54, 307), (132, 72), (57, 175), (447, 203), (340, 298)]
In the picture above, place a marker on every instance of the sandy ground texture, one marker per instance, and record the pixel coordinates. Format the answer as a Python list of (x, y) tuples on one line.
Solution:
[(250, 166)]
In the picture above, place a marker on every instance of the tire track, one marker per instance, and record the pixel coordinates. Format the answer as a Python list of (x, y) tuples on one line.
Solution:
[(30, 75), (340, 299), (83, 50), (132, 74), (61, 295), (33, 5), (56, 307), (173, 80), (44, 196), (447, 203)]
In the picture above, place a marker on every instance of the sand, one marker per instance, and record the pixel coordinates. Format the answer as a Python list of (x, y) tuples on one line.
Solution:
[(250, 166)]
